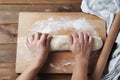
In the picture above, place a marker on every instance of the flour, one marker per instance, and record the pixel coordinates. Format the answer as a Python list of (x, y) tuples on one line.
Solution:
[(68, 63), (23, 46), (55, 67), (53, 25), (61, 66)]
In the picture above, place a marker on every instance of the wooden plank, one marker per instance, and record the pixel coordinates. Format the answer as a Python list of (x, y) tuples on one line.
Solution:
[(8, 77), (55, 77), (7, 69), (42, 8), (12, 17), (39, 1), (8, 33), (52, 77), (7, 72), (8, 17), (63, 58), (8, 26), (7, 53)]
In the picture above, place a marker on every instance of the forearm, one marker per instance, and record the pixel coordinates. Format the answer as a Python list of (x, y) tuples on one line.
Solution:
[(29, 73), (80, 70)]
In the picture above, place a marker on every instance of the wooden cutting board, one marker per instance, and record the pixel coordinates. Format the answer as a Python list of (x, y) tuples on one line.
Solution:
[(58, 62)]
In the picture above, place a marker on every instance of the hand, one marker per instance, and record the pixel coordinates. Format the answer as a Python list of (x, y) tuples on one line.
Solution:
[(81, 45), (39, 45)]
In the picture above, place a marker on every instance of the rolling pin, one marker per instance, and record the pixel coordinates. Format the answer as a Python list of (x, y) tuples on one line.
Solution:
[(101, 63)]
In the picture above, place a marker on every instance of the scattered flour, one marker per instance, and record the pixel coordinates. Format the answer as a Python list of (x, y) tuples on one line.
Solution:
[(24, 49), (68, 63), (61, 66), (52, 25)]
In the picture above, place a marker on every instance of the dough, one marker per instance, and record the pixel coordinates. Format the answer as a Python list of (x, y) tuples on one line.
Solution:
[(61, 43)]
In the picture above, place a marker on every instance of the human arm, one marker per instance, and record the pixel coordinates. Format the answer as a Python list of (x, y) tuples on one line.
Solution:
[(38, 45), (81, 45)]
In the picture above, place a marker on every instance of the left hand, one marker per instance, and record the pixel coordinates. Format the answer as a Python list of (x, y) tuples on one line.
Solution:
[(39, 45)]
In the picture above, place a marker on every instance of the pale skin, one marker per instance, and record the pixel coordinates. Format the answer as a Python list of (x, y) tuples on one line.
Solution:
[(39, 45), (81, 46)]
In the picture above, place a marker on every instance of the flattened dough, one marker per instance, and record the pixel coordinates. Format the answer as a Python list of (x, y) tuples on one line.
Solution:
[(61, 43)]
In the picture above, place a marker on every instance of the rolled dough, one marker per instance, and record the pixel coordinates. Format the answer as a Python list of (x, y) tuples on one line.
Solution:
[(61, 43)]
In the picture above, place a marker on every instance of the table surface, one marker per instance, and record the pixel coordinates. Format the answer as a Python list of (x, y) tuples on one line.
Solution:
[(9, 10)]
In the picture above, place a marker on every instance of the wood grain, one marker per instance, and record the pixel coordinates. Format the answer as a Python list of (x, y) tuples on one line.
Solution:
[(7, 72), (7, 69), (9, 26), (7, 53), (8, 33), (41, 8), (8, 17), (12, 17), (39, 1)]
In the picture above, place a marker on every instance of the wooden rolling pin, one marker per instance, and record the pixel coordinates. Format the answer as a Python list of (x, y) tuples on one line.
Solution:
[(99, 68)]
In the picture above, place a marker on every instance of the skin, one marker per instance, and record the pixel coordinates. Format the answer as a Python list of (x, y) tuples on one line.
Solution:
[(81, 45), (39, 45)]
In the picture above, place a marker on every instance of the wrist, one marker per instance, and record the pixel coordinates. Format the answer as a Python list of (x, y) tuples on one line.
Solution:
[(81, 59), (36, 64), (32, 69), (81, 62), (81, 65)]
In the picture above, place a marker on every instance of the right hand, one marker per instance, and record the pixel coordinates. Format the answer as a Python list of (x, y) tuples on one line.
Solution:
[(81, 45)]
